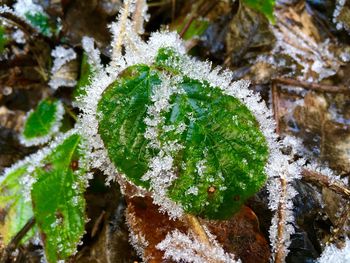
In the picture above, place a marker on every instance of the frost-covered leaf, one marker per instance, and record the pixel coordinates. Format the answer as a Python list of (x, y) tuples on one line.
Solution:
[(42, 123), (86, 73), (35, 15), (264, 6), (166, 130), (64, 70), (40, 21), (58, 201), (15, 210)]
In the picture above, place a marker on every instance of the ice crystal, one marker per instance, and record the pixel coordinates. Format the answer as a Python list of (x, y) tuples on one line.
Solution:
[(18, 36), (304, 51), (61, 57), (187, 248), (336, 255), (92, 52), (339, 5), (22, 7)]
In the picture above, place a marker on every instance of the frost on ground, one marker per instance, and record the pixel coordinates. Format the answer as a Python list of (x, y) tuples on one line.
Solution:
[(332, 254), (186, 248)]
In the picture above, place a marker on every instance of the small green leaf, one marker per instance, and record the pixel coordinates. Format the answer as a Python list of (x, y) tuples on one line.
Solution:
[(223, 155), (264, 6), (58, 201), (41, 22), (195, 29), (86, 74), (43, 122), (3, 39), (15, 210)]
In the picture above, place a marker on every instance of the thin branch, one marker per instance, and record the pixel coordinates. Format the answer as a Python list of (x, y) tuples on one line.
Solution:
[(313, 86), (138, 17), (122, 24), (275, 105), (17, 239), (29, 31), (323, 180), (281, 219), (197, 228)]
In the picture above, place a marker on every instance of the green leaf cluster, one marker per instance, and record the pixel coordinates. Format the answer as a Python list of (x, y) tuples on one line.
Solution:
[(224, 152), (58, 201), (57, 198)]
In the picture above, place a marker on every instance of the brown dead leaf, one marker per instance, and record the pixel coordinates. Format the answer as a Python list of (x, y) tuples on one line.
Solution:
[(240, 235)]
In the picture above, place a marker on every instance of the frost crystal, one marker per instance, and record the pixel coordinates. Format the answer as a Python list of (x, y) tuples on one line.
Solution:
[(22, 7), (337, 11), (186, 248), (59, 77), (92, 52), (18, 37), (335, 255)]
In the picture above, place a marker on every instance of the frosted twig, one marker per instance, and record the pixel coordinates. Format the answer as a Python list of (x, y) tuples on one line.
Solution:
[(281, 217), (314, 86), (140, 16), (122, 24), (324, 180)]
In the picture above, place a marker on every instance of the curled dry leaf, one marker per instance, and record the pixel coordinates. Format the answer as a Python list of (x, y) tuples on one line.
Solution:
[(239, 235)]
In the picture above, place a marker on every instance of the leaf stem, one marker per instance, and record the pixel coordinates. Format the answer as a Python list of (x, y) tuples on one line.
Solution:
[(323, 180), (197, 228), (17, 239)]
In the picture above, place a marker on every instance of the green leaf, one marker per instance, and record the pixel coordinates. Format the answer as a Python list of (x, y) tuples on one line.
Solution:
[(224, 152), (41, 22), (58, 201), (196, 28), (15, 210), (3, 39), (86, 74), (264, 6), (43, 122)]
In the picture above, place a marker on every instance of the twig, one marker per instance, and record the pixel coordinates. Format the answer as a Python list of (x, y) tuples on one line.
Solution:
[(313, 86), (122, 23), (323, 180), (137, 17), (281, 220), (275, 105), (197, 229), (17, 239)]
